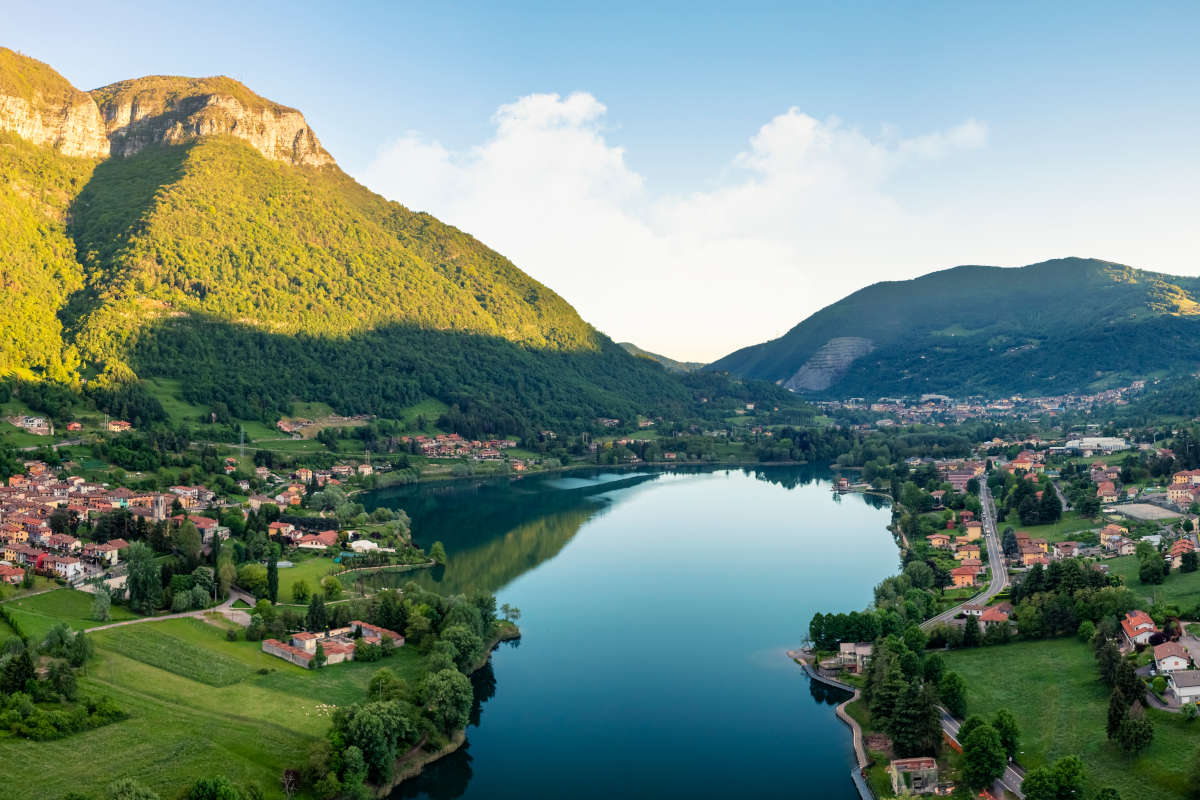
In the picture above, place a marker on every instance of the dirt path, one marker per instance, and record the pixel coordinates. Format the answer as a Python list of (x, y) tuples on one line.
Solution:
[(226, 609)]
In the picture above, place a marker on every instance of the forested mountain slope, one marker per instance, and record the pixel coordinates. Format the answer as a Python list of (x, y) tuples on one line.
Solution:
[(206, 235), (1058, 326)]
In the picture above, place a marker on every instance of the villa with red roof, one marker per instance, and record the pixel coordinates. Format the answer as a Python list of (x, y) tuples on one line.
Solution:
[(1138, 627)]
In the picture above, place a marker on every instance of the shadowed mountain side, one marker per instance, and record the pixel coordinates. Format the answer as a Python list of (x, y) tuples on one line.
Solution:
[(498, 385)]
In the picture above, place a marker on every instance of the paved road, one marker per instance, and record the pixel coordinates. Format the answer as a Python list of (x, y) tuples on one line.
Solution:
[(1013, 776), (235, 614), (995, 561), (1062, 498)]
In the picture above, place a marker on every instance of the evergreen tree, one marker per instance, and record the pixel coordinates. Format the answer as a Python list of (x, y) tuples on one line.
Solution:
[(953, 691), (317, 618), (273, 577), (971, 631), (915, 726), (886, 696), (1117, 708)]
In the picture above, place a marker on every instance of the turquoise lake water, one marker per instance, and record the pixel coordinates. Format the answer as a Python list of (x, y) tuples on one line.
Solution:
[(656, 609)]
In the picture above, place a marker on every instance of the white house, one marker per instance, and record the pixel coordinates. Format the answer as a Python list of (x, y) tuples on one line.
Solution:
[(67, 567), (1185, 683), (1138, 627), (1171, 656)]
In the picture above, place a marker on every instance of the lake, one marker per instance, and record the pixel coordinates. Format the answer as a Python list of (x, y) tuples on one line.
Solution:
[(656, 609)]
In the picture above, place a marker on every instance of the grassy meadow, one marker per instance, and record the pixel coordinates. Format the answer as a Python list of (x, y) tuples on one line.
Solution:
[(1180, 588), (198, 705), (1053, 689)]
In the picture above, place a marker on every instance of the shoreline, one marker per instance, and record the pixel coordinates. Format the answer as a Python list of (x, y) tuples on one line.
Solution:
[(413, 763)]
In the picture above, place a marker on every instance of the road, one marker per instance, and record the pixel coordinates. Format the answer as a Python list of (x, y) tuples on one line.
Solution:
[(1012, 778), (995, 562), (52, 445), (226, 609)]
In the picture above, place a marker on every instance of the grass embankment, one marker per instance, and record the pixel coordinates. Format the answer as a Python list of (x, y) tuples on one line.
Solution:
[(309, 570), (1180, 588), (1053, 689), (1069, 528), (198, 705), (38, 614)]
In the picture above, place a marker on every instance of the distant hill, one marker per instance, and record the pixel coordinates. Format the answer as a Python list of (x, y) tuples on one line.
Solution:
[(189, 228), (1058, 326), (670, 364)]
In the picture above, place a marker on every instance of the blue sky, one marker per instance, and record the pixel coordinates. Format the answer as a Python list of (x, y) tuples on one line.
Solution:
[(722, 170)]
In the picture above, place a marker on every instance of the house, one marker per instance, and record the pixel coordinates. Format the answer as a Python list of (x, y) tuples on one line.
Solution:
[(317, 541), (11, 575), (1124, 547), (256, 501), (973, 609), (999, 613), (1171, 656), (1178, 548), (973, 531), (1187, 477), (1138, 627), (365, 469), (854, 656), (304, 474), (74, 426), (966, 550), (119, 426), (1107, 492), (207, 526), (1185, 683), (964, 576), (1066, 549), (280, 529), (1031, 554), (106, 553), (913, 776), (1182, 494), (939, 540), (66, 567)]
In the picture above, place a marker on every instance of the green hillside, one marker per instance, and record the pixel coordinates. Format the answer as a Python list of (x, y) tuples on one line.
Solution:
[(669, 363), (1058, 326), (259, 283)]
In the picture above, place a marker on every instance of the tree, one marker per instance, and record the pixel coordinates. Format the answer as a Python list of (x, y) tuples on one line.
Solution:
[(438, 553), (933, 668), (128, 789), (18, 670), (1108, 793), (319, 658), (916, 726), (273, 577), (332, 587), (1135, 734), (253, 578), (300, 591), (317, 619), (144, 578), (1190, 561), (1118, 706), (953, 691), (1006, 728), (187, 542), (218, 788), (984, 758), (971, 631), (1086, 630), (1050, 507), (448, 697), (101, 604)]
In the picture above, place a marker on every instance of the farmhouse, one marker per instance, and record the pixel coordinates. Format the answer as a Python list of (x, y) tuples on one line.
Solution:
[(1171, 656), (337, 644)]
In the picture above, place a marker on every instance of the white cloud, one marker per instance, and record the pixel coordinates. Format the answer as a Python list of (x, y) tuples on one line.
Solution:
[(799, 219)]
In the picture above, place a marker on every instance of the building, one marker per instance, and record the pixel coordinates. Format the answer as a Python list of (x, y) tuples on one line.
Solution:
[(939, 540), (1097, 444), (1138, 627), (11, 575), (964, 576), (913, 776), (1171, 656), (338, 644), (855, 656), (993, 615), (1185, 683)]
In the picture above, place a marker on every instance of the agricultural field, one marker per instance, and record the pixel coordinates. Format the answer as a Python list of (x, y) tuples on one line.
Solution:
[(1053, 689), (198, 705), (38, 614)]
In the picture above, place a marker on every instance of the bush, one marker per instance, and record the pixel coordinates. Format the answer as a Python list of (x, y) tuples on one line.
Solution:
[(231, 635)]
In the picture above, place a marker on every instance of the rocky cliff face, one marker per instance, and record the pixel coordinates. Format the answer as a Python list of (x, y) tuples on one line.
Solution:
[(169, 110), (41, 106)]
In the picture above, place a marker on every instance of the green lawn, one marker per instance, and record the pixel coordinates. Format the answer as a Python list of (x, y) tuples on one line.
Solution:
[(179, 729), (1179, 588), (169, 392), (311, 570), (1060, 704), (38, 614), (1065, 530)]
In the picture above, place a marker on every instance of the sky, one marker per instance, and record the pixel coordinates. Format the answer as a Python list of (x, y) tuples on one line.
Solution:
[(699, 177)]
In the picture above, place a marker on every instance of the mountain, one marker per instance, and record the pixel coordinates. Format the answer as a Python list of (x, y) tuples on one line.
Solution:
[(670, 364), (191, 229), (1058, 326)]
